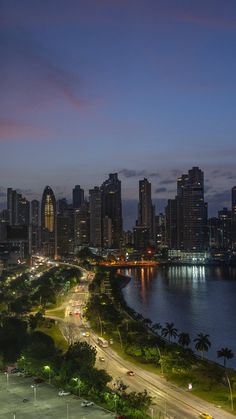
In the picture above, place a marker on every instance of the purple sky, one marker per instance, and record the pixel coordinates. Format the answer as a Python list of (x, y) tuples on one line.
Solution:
[(140, 87)]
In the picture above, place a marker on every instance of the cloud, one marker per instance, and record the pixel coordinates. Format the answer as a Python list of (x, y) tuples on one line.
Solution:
[(11, 128), (129, 173), (167, 181), (31, 77), (153, 174), (220, 197), (158, 190)]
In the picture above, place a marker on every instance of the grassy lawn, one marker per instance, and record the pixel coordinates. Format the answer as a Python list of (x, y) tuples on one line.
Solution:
[(56, 312), (55, 333)]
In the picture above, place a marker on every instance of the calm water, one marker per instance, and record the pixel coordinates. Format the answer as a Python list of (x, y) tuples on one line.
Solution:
[(196, 299)]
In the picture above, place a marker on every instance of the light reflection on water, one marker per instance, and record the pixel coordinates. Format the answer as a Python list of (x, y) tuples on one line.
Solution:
[(196, 298)]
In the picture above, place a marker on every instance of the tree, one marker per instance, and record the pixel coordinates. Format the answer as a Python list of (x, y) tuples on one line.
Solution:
[(169, 331), (156, 327), (82, 354), (202, 343), (97, 379), (13, 337), (184, 339), (40, 346), (225, 353)]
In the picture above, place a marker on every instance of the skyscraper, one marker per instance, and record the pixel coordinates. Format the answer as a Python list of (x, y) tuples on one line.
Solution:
[(234, 218), (35, 229), (194, 211), (95, 207), (82, 225), (18, 208), (145, 207), (48, 222), (23, 211), (112, 208), (225, 228), (77, 197), (171, 223)]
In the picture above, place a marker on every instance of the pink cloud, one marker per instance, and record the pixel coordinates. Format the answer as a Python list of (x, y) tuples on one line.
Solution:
[(11, 130)]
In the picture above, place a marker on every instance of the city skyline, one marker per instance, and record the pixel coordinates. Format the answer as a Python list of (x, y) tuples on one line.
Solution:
[(129, 207), (142, 90), (131, 213)]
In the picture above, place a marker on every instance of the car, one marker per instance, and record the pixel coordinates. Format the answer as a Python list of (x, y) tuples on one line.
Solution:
[(87, 334), (111, 341), (130, 373), (204, 415), (70, 313), (63, 393), (102, 359), (86, 403), (16, 370)]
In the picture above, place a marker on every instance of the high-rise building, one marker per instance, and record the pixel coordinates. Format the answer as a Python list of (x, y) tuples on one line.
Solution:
[(48, 222), (65, 228), (82, 225), (194, 211), (34, 218), (112, 207), (23, 211), (95, 207), (225, 229), (160, 231), (18, 208), (77, 197), (171, 223), (181, 183), (188, 215), (234, 218), (64, 241), (12, 205), (35, 229), (146, 210)]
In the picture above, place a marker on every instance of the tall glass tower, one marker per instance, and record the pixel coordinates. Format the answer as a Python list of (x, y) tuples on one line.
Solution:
[(48, 222)]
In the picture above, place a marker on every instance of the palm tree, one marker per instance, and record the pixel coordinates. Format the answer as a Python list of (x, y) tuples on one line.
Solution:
[(184, 339), (225, 353), (202, 343), (169, 330)]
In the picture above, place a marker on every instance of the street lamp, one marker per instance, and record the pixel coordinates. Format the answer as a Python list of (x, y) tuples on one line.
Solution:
[(78, 381), (35, 392), (7, 377), (47, 368), (159, 352), (230, 391)]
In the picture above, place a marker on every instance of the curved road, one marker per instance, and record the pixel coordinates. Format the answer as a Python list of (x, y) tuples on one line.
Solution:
[(169, 399)]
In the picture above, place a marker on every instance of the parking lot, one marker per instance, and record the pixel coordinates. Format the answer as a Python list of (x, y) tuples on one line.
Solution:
[(41, 402)]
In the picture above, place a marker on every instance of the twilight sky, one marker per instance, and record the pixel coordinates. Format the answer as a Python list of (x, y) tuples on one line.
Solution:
[(139, 87)]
